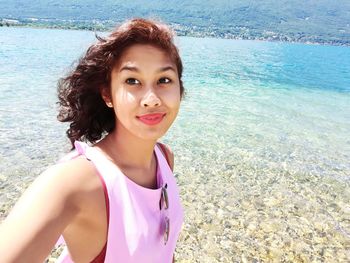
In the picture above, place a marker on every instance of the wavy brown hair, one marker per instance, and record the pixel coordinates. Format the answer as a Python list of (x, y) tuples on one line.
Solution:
[(79, 93)]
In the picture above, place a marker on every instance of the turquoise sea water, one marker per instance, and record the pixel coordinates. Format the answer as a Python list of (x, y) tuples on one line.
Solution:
[(262, 140)]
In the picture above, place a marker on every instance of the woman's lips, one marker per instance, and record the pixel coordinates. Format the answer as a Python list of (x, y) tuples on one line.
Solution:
[(151, 119)]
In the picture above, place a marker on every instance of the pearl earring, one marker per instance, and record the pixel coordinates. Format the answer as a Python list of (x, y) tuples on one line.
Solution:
[(109, 104)]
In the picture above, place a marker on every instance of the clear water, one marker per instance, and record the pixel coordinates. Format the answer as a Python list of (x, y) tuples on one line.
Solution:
[(262, 141)]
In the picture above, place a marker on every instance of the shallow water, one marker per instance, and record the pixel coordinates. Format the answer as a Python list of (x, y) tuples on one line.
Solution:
[(262, 141)]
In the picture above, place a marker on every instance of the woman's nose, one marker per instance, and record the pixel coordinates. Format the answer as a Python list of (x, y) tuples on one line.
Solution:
[(150, 100)]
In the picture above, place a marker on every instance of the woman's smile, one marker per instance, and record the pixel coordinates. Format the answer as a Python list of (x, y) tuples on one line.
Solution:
[(151, 119)]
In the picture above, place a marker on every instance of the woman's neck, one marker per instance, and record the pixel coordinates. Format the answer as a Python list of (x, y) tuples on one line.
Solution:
[(127, 150)]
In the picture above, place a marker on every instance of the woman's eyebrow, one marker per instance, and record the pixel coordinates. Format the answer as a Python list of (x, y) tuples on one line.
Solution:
[(135, 69)]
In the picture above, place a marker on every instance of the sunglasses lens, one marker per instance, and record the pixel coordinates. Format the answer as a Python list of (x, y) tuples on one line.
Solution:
[(165, 198), (164, 202), (167, 230)]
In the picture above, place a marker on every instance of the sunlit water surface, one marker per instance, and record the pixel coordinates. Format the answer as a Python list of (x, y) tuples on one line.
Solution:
[(262, 141)]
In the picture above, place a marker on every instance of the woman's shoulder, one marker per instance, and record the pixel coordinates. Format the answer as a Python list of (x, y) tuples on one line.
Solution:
[(78, 174), (72, 167), (66, 183)]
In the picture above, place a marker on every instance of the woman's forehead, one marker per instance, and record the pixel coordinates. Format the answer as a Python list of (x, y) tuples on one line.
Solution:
[(141, 56)]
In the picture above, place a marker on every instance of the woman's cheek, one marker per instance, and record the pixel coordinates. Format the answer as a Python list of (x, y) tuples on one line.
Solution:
[(130, 98), (174, 99), (123, 96)]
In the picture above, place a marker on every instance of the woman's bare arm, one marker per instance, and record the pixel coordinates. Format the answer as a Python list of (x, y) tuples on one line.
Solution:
[(30, 231)]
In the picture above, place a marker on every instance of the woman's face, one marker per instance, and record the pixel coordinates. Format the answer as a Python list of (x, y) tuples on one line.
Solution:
[(145, 92)]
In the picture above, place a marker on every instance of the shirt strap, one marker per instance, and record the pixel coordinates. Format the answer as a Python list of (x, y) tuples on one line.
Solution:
[(164, 152)]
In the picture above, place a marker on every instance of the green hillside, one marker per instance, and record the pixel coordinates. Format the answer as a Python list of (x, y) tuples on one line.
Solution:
[(322, 21)]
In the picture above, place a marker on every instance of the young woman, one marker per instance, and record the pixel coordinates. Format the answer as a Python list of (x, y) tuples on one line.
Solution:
[(116, 199)]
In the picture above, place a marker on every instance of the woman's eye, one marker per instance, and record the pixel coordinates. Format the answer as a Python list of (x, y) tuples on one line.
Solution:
[(132, 81), (164, 80)]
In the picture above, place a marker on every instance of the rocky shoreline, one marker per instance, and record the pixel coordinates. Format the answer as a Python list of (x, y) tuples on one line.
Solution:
[(238, 32)]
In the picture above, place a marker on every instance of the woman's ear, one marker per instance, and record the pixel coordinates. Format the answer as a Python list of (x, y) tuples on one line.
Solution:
[(106, 96)]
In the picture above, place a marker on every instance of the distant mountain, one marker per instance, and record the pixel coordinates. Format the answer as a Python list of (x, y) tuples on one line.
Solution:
[(324, 21)]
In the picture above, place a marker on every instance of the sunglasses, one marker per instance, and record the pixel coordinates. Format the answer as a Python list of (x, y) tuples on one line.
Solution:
[(164, 205)]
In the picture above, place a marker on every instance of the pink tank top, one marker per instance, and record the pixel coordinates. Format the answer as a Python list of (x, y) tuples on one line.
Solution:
[(136, 223)]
